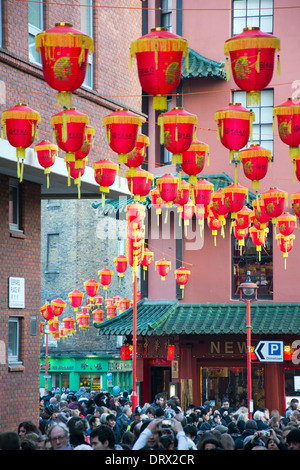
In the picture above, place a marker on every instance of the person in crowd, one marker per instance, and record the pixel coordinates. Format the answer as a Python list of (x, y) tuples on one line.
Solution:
[(293, 439), (112, 423), (93, 421), (159, 401), (125, 419), (10, 440), (103, 438), (250, 429), (260, 419), (294, 405), (149, 437), (59, 437), (78, 427), (225, 410), (26, 427), (209, 441)]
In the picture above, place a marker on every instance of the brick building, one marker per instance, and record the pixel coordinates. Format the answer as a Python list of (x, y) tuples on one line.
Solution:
[(109, 84)]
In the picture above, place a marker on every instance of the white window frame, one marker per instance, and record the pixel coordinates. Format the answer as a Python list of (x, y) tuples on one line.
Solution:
[(34, 31), (15, 227), (252, 16), (14, 358), (166, 14), (88, 29)]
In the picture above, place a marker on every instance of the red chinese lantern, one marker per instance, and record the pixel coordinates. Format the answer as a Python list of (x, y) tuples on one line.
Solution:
[(201, 192), (116, 300), (187, 212), (285, 244), (234, 128), (219, 208), (64, 53), (98, 299), (163, 267), (105, 275), (183, 195), (108, 302), (147, 259), (261, 215), (58, 306), (105, 172), (76, 174), (122, 128), (69, 325), (46, 154), (274, 200), (121, 264), (159, 60), (182, 277), (243, 217), (20, 125), (139, 184), (75, 298), (136, 157), (83, 320), (288, 121), (177, 130), (98, 316), (295, 203), (124, 304), (286, 223), (91, 288), (255, 161), (234, 198), (171, 352), (157, 202), (214, 223), (125, 353), (47, 312), (84, 151), (111, 311), (258, 237), (53, 325), (168, 188), (252, 60), (240, 234), (193, 160)]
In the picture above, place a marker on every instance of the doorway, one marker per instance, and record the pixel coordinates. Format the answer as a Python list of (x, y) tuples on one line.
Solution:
[(160, 380)]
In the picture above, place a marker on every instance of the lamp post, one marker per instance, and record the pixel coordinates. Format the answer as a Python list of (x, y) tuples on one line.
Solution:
[(248, 294)]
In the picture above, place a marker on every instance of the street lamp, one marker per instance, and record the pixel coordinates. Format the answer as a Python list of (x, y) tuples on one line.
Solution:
[(248, 294)]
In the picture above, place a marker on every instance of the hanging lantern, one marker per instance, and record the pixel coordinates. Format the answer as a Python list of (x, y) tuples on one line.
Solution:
[(288, 121), (182, 277), (124, 304), (147, 259), (159, 60), (234, 198), (168, 188), (183, 196), (76, 174), (98, 316), (243, 217), (255, 161), (171, 352), (201, 213), (177, 130), (260, 212), (240, 234), (98, 299), (116, 300), (139, 184), (136, 157), (46, 154), (47, 312), (125, 353), (193, 160), (286, 223), (219, 208), (75, 298), (83, 320), (121, 265), (295, 203), (42, 327), (157, 202), (274, 200), (214, 223), (105, 275), (163, 267), (84, 151), (201, 192), (111, 311), (69, 325), (108, 302), (53, 325), (105, 172), (63, 334), (234, 128), (58, 306), (122, 128), (187, 213), (259, 238), (285, 244), (252, 60), (64, 53), (91, 288), (20, 125)]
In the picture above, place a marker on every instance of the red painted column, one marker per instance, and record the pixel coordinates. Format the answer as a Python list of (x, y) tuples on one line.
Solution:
[(274, 387)]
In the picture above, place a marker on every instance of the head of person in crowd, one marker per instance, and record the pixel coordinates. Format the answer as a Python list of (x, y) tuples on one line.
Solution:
[(159, 400), (293, 439), (78, 427), (149, 412), (102, 438), (138, 413), (26, 427), (209, 442), (30, 441), (10, 440), (59, 437)]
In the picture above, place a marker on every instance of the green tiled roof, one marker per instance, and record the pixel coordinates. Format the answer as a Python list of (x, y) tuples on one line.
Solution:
[(200, 66), (165, 318)]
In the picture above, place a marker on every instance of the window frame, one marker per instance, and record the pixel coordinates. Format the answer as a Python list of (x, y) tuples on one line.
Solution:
[(34, 30), (50, 270), (14, 358), (89, 30), (15, 226), (247, 16), (166, 14)]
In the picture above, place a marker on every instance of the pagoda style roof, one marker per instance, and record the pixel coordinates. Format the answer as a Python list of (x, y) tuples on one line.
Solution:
[(200, 66)]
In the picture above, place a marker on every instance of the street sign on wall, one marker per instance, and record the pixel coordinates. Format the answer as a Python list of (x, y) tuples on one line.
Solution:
[(270, 351)]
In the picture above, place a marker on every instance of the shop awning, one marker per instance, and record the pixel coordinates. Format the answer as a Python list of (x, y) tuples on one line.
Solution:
[(166, 318), (200, 66)]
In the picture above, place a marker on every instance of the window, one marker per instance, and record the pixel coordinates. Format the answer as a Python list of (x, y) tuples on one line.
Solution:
[(13, 339), (87, 28), (166, 14), (247, 259), (263, 125), (35, 26), (52, 253), (14, 205), (247, 13)]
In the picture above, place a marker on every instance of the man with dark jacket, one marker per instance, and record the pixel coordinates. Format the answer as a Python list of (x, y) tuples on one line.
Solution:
[(250, 429)]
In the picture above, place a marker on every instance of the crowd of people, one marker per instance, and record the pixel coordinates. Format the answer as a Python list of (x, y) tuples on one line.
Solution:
[(85, 420)]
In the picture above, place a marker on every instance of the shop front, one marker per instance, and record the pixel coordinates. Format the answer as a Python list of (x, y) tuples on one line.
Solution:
[(93, 372)]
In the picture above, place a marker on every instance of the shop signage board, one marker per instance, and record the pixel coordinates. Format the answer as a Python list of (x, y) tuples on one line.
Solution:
[(270, 351), (16, 292)]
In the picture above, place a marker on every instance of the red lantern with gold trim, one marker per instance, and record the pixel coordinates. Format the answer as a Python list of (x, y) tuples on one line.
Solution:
[(105, 275), (252, 55), (121, 263), (53, 325), (47, 312), (234, 128), (139, 184), (122, 128), (171, 352), (157, 202), (98, 299), (219, 208), (163, 267), (244, 217), (84, 151), (136, 157), (124, 304), (75, 298), (42, 327), (259, 238), (75, 173), (255, 161), (234, 198), (288, 122), (20, 126), (46, 153), (105, 172), (274, 200), (111, 311), (69, 325), (183, 195), (91, 288), (168, 188), (182, 276), (260, 212), (98, 315), (214, 223), (83, 320), (193, 160), (159, 57), (177, 131), (295, 203), (147, 259), (58, 306), (125, 353), (202, 192), (285, 244), (64, 52), (240, 234), (286, 223)]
